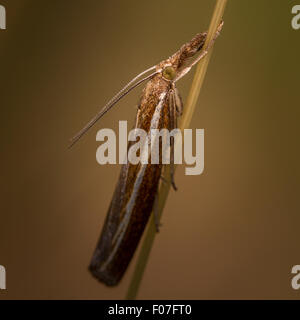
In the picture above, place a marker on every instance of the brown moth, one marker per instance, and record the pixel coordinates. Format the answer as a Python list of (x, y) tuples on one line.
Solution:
[(137, 187)]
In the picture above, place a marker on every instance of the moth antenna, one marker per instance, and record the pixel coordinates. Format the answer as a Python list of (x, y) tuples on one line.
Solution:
[(122, 93)]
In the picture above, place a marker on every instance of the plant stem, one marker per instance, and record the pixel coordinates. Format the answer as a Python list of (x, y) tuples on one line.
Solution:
[(184, 123)]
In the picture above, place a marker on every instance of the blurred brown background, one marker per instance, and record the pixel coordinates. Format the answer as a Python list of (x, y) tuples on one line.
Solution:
[(232, 232)]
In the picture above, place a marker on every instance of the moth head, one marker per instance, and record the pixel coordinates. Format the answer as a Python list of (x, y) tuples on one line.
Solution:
[(187, 52)]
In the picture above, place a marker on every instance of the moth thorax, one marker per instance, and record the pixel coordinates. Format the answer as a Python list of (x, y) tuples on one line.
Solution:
[(169, 73)]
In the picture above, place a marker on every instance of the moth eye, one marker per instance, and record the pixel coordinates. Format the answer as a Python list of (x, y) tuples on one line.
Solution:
[(169, 73)]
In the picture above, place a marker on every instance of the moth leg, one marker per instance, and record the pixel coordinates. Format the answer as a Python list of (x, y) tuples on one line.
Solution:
[(163, 179), (173, 125), (179, 104), (156, 213)]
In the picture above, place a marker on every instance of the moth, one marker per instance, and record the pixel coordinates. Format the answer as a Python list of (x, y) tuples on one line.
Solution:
[(136, 191)]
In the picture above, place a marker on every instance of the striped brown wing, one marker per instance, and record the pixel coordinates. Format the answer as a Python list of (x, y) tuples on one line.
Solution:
[(134, 196)]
